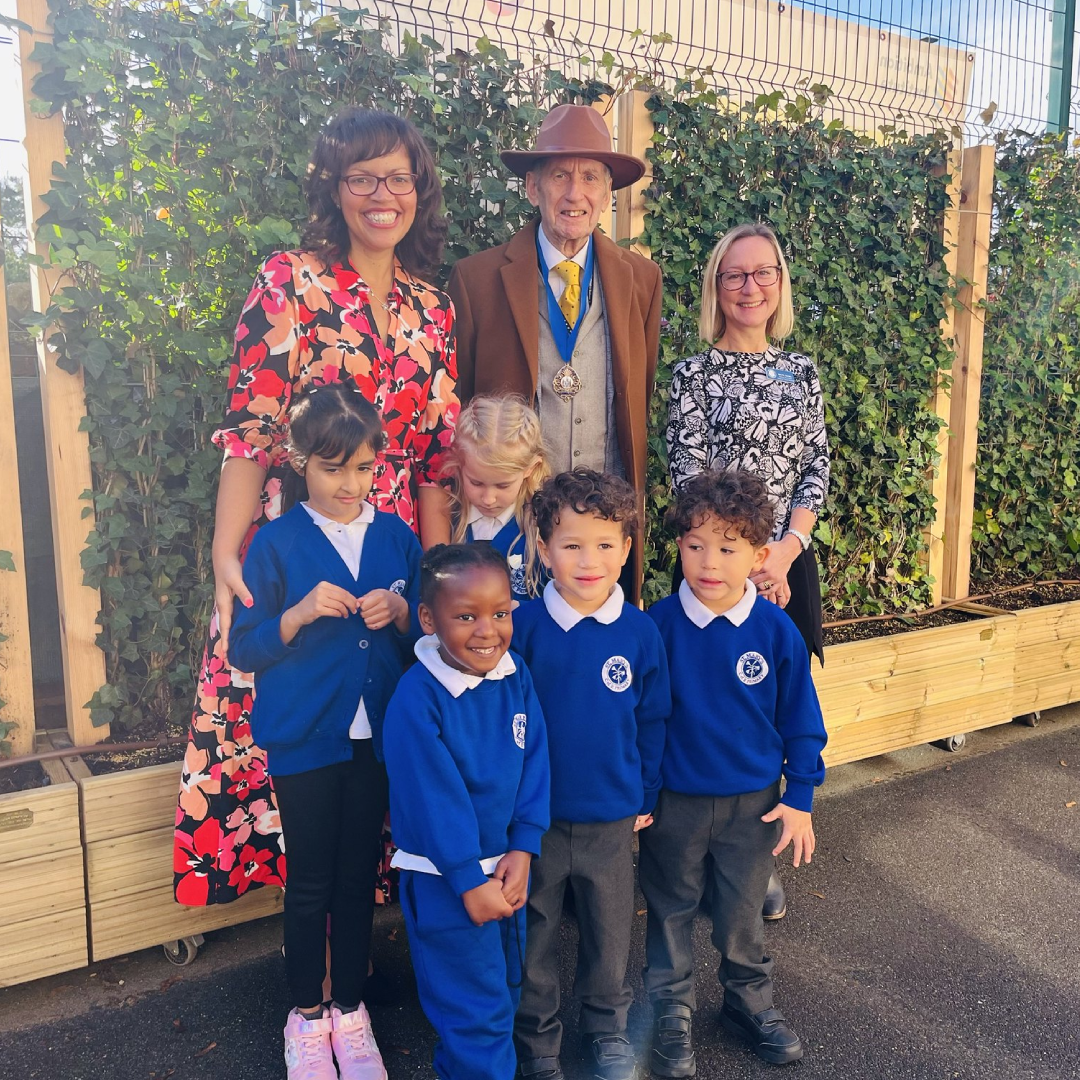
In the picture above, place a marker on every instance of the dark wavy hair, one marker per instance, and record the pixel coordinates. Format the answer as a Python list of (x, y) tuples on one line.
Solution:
[(735, 496), (332, 421), (444, 561), (353, 135), (585, 491)]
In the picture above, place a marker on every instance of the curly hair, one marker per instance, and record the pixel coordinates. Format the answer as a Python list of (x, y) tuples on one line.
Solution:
[(585, 491), (732, 495), (500, 432), (353, 135), (443, 561)]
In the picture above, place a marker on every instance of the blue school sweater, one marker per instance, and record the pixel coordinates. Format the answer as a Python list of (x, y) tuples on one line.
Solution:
[(744, 708), (602, 680), (468, 768), (510, 540), (307, 692)]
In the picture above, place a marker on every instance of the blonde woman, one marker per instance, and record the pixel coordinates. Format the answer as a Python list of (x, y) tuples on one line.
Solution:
[(747, 403)]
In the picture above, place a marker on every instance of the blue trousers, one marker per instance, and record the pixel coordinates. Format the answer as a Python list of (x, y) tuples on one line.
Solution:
[(468, 978)]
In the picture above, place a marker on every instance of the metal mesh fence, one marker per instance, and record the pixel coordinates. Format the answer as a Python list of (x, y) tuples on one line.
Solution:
[(978, 65)]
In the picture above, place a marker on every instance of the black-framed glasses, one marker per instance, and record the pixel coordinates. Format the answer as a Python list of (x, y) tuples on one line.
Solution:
[(402, 183), (733, 280)]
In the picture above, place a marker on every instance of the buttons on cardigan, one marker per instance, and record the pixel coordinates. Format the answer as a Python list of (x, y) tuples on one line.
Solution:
[(363, 643), (577, 453), (577, 420)]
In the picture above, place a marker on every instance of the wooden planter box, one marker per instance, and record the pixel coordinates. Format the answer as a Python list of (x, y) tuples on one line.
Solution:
[(127, 829), (1047, 672), (886, 693), (43, 929)]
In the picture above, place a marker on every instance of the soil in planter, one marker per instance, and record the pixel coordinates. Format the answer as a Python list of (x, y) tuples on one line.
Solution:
[(123, 760), (1035, 595), (861, 631), (23, 778)]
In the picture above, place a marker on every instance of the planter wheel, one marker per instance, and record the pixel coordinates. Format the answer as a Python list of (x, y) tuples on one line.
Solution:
[(1030, 719), (184, 950), (952, 743)]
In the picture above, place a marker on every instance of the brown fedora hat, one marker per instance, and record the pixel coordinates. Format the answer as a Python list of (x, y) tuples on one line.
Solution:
[(576, 131)]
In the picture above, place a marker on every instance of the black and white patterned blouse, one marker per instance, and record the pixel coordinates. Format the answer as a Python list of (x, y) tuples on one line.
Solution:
[(759, 411)]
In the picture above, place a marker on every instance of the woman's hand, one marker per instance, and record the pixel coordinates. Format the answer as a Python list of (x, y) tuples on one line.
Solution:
[(771, 580), (229, 583)]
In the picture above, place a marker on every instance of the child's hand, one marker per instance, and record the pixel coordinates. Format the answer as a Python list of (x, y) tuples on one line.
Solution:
[(513, 872), (642, 821), (325, 600), (381, 607), (486, 903), (798, 830)]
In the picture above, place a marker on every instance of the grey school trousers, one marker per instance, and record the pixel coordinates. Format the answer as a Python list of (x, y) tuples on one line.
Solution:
[(695, 835), (596, 861)]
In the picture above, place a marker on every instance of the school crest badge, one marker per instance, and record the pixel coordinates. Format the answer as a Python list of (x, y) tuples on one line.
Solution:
[(751, 668), (616, 674), (517, 574), (398, 587), (519, 730)]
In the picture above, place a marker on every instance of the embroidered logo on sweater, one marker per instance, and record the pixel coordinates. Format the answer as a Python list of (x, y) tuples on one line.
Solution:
[(616, 674), (751, 668), (517, 574), (519, 730), (398, 586)]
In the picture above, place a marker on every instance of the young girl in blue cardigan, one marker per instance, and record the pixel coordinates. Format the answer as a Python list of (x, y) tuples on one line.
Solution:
[(330, 630), (495, 465)]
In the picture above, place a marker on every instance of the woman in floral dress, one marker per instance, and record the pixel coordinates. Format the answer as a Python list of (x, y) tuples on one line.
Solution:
[(350, 307)]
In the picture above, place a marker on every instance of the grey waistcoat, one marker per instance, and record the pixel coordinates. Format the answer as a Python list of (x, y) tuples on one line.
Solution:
[(582, 430)]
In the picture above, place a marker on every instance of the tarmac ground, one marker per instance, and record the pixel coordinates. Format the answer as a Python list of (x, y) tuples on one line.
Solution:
[(935, 936)]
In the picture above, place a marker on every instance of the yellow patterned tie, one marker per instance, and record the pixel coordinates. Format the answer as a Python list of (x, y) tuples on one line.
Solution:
[(570, 301)]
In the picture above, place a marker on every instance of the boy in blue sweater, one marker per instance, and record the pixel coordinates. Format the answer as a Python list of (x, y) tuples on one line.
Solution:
[(467, 756), (602, 680), (744, 713)]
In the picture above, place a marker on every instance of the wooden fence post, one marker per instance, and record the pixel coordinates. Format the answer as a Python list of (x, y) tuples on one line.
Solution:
[(605, 107), (16, 675), (972, 268), (934, 537), (63, 402), (635, 132)]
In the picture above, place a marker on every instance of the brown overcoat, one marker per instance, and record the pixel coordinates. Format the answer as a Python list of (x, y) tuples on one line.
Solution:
[(495, 294)]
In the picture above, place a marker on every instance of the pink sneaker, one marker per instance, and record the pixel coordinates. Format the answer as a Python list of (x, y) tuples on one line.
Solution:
[(358, 1056), (307, 1048)]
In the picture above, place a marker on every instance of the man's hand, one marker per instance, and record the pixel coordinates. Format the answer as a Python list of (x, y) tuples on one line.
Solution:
[(798, 831), (513, 872), (486, 903)]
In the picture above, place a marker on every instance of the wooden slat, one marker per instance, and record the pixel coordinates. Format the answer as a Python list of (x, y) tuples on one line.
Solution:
[(39, 822), (42, 885), (42, 946), (64, 406), (973, 260), (934, 537), (1047, 657), (128, 864), (140, 920), (18, 686), (124, 803), (605, 106), (635, 132)]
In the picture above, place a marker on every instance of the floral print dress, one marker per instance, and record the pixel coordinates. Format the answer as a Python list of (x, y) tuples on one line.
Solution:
[(303, 324)]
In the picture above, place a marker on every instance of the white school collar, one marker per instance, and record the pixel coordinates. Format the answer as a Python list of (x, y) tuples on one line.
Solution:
[(457, 682), (701, 616), (365, 517), (567, 618), (553, 255), (476, 514)]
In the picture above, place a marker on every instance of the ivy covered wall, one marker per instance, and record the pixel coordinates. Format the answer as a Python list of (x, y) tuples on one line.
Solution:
[(189, 127)]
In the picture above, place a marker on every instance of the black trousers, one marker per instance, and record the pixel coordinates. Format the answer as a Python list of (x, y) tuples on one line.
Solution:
[(804, 607), (331, 820)]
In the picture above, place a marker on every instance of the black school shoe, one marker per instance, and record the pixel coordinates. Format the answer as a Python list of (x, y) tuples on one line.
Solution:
[(542, 1068), (775, 906), (609, 1057), (766, 1032), (672, 1048)]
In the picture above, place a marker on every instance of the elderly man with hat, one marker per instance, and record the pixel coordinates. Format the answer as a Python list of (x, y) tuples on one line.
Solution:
[(564, 316)]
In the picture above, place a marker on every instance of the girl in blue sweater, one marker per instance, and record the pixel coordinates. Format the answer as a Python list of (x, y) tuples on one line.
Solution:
[(495, 466), (328, 633)]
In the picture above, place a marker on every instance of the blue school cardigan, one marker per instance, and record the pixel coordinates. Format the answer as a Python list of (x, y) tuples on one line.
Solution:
[(307, 692)]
